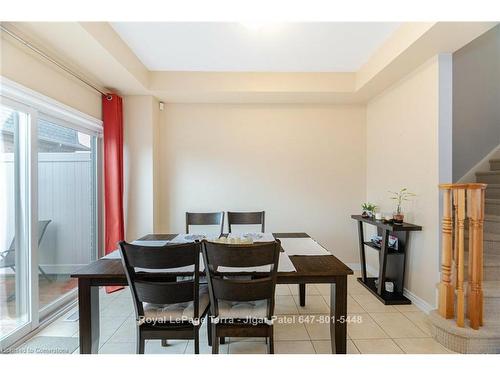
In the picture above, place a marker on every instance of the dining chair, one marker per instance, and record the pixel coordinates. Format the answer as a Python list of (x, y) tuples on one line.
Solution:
[(165, 308), (246, 218), (205, 218), (241, 307)]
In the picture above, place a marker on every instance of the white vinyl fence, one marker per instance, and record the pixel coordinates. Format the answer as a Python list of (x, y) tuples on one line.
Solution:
[(66, 197)]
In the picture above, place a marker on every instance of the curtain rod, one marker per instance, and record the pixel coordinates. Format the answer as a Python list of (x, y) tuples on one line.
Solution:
[(47, 57)]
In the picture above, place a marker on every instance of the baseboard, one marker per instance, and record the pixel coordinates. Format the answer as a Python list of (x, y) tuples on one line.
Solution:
[(416, 300)]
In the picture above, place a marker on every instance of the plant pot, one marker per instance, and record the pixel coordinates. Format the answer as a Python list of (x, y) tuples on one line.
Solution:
[(368, 214), (398, 218)]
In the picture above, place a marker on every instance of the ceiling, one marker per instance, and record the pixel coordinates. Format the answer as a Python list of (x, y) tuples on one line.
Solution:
[(240, 47)]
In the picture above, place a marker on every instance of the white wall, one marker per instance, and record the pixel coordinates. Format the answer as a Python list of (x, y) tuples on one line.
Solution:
[(404, 126), (140, 123), (476, 99), (303, 164), (31, 70), (308, 166)]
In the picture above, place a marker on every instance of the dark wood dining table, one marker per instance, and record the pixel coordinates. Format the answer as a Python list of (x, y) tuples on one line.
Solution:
[(326, 269)]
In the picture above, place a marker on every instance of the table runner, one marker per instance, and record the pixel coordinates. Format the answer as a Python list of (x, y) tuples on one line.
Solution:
[(302, 246)]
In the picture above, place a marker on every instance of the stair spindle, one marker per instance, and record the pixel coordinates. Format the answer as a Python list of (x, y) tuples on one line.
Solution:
[(459, 235), (474, 296), (461, 202)]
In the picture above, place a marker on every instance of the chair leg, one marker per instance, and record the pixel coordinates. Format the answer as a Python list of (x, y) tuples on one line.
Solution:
[(44, 274), (140, 342), (164, 342), (215, 340), (140, 346), (209, 333), (270, 342), (302, 294), (196, 340)]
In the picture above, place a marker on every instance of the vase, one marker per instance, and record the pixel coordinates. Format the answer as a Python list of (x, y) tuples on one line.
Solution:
[(398, 218)]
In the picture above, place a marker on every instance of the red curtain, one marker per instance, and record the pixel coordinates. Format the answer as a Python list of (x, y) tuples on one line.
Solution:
[(113, 173)]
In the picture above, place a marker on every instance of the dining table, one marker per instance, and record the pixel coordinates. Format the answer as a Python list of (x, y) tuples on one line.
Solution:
[(309, 269)]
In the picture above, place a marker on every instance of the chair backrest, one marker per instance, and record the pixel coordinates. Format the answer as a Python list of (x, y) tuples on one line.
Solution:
[(224, 287), (157, 289), (244, 218), (42, 227), (205, 218)]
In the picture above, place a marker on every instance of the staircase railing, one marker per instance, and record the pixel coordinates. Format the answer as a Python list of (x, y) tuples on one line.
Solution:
[(462, 202)]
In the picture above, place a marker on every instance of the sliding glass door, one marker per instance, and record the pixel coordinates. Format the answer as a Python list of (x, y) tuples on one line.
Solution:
[(66, 208), (48, 206), (15, 280)]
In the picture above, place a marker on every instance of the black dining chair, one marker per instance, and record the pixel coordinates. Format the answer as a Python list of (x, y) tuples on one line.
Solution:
[(246, 218), (205, 218), (241, 307), (165, 308)]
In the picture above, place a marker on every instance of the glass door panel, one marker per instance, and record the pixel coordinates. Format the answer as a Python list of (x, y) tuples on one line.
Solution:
[(14, 228), (48, 214), (66, 208)]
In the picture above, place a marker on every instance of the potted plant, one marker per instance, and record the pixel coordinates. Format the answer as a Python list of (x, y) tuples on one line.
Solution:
[(400, 196), (368, 209)]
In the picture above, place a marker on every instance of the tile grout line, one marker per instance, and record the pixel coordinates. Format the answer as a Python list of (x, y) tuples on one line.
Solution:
[(399, 346), (116, 330), (380, 338), (383, 330), (358, 349), (411, 323)]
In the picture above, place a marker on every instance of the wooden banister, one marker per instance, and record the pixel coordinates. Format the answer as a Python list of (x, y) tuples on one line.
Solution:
[(461, 202)]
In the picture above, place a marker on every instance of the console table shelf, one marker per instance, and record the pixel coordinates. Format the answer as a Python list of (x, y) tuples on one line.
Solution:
[(376, 247), (391, 267)]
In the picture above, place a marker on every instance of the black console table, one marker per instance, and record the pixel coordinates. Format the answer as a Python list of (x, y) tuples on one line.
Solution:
[(391, 261)]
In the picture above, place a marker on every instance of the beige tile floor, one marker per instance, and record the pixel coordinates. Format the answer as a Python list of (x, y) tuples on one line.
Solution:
[(382, 329)]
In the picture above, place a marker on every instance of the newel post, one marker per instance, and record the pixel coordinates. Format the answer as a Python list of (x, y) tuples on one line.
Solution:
[(446, 290)]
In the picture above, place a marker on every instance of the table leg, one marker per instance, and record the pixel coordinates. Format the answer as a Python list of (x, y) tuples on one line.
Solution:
[(88, 310), (302, 294), (384, 249), (362, 257), (338, 312)]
